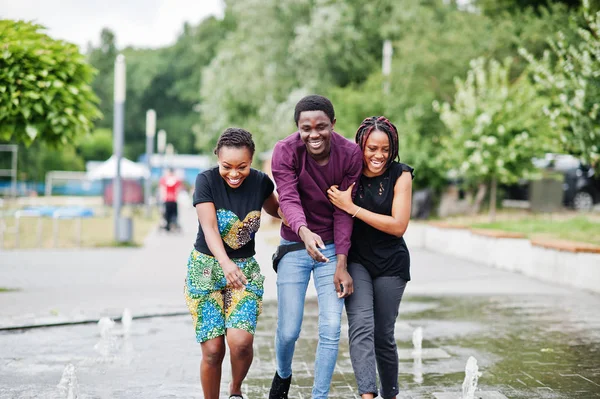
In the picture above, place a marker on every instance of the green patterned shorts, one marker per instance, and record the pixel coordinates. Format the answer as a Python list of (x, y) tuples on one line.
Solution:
[(214, 305)]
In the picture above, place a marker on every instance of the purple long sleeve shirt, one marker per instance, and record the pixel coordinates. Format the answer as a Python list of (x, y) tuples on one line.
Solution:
[(302, 187)]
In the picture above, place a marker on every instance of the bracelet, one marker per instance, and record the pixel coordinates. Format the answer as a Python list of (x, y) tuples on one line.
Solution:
[(356, 213)]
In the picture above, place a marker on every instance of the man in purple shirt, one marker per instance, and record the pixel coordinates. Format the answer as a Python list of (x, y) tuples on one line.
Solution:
[(304, 166)]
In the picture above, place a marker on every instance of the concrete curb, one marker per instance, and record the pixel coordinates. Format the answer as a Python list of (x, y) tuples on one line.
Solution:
[(88, 321), (567, 265)]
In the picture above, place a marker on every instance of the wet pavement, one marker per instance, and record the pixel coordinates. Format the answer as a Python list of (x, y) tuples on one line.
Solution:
[(531, 339), (526, 347)]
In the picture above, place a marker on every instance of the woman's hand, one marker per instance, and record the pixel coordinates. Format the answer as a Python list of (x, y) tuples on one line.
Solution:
[(282, 217), (233, 274), (342, 199)]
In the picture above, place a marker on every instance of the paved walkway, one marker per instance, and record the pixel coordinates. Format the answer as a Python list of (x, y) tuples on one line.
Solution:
[(56, 286), (532, 339)]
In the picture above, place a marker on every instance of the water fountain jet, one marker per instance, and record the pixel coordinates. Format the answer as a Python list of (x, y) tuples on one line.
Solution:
[(126, 320), (68, 386), (472, 375), (469, 385)]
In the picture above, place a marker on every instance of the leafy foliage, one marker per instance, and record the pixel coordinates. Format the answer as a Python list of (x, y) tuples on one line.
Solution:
[(495, 7), (251, 67), (35, 160), (569, 74), (495, 125), (97, 146), (45, 92), (103, 59)]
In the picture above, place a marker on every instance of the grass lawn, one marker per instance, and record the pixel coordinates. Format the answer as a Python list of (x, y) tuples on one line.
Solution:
[(96, 231), (563, 226)]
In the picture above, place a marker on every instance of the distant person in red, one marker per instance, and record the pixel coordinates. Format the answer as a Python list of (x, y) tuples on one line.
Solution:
[(169, 189)]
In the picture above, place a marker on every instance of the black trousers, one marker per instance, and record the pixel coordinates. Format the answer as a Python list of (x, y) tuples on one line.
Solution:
[(372, 311), (170, 214)]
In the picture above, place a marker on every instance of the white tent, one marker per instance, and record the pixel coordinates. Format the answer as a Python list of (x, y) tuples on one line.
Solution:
[(108, 170)]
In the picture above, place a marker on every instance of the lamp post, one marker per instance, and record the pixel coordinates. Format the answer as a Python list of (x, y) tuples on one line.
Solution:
[(161, 146), (386, 67), (169, 151), (150, 133), (161, 143), (118, 121)]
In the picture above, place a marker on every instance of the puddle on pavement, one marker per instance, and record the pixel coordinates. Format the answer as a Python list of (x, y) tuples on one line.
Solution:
[(525, 346)]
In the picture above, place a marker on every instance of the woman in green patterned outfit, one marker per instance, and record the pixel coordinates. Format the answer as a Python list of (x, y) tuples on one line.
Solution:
[(224, 286)]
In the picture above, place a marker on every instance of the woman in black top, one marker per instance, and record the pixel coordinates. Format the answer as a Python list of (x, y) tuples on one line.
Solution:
[(224, 285), (378, 262)]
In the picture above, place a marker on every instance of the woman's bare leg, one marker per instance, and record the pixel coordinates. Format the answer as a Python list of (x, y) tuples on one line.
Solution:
[(213, 352), (241, 353)]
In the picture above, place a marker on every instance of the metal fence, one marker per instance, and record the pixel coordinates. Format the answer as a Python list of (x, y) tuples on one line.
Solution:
[(11, 225)]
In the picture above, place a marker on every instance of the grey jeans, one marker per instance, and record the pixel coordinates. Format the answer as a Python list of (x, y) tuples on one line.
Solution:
[(372, 311)]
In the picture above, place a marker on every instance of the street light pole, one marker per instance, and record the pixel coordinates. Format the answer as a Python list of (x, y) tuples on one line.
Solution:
[(118, 121), (169, 151), (150, 132), (161, 146), (386, 67), (161, 141)]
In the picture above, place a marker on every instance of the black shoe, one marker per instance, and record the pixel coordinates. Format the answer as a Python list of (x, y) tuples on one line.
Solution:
[(280, 387)]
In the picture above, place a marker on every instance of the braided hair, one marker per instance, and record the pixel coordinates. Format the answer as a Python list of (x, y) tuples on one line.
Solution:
[(314, 103), (235, 137), (382, 124)]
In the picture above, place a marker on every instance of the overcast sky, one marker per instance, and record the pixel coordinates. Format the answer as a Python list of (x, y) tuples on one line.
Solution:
[(140, 23)]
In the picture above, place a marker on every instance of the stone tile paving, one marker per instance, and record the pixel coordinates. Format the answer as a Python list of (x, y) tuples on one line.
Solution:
[(526, 347), (531, 339)]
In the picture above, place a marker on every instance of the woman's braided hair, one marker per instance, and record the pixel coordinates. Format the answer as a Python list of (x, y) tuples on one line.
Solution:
[(235, 137), (382, 124)]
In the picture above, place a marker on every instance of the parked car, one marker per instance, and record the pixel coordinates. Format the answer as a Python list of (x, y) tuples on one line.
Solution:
[(582, 188), (581, 184)]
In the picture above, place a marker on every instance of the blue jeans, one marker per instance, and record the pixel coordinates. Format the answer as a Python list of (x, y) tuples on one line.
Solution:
[(293, 275)]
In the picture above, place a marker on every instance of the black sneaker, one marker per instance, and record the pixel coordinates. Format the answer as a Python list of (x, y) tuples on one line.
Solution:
[(280, 387)]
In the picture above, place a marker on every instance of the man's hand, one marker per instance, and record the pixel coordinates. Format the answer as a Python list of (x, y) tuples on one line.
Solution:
[(312, 242), (233, 274), (343, 282)]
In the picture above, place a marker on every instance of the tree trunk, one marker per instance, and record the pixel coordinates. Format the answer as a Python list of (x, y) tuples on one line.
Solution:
[(493, 186)]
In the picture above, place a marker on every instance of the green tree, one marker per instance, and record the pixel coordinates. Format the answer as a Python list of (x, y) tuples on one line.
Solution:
[(570, 75), (433, 43), (495, 7), (97, 146), (260, 70), (251, 73), (156, 81), (143, 65), (338, 45), (39, 158), (45, 91), (175, 90), (103, 59), (496, 127)]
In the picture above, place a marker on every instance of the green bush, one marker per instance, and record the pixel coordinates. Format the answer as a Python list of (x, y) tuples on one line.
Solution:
[(45, 91)]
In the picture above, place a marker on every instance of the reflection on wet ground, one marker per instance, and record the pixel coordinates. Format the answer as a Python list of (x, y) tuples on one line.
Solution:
[(525, 346)]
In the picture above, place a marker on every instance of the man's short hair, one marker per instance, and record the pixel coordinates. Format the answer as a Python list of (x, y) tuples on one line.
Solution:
[(314, 103)]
